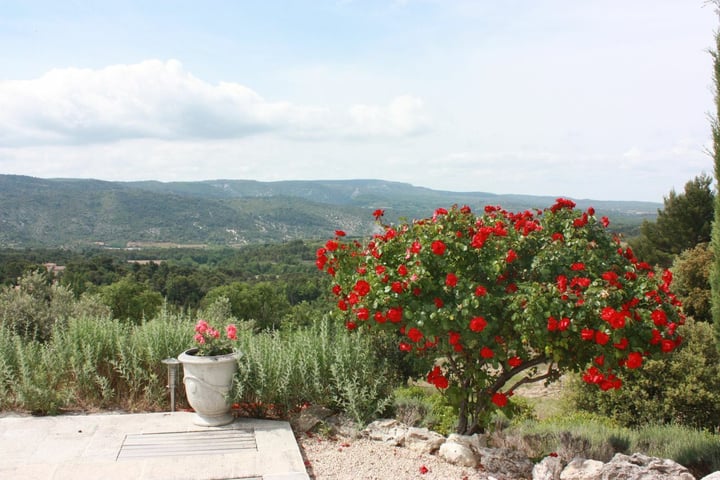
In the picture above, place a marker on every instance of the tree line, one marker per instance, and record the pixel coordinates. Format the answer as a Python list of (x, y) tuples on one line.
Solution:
[(264, 283)]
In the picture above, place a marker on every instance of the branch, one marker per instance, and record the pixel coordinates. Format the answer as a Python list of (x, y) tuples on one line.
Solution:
[(550, 373), (508, 374)]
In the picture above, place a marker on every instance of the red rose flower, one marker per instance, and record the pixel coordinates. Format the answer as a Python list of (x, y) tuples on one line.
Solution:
[(395, 314), (486, 353), (361, 287), (415, 335), (478, 324), (634, 360), (438, 247), (415, 247), (552, 324), (659, 318), (451, 280), (500, 399), (622, 344), (435, 377), (601, 338), (667, 346), (563, 324)]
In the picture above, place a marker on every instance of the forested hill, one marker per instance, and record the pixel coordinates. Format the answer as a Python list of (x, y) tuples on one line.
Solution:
[(74, 212)]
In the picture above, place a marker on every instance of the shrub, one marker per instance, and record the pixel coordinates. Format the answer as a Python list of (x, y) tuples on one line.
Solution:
[(424, 407), (683, 389), (37, 378), (318, 365), (692, 281), (130, 300), (699, 451), (33, 307), (499, 294), (91, 363)]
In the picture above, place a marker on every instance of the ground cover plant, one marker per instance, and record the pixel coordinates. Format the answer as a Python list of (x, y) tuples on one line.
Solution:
[(498, 294), (598, 437)]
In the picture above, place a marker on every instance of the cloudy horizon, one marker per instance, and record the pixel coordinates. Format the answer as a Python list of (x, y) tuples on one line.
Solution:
[(550, 97)]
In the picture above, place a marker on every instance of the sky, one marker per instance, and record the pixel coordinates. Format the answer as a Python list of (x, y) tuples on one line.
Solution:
[(607, 100)]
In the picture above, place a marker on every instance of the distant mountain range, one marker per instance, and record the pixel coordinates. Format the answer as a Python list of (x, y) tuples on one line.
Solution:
[(37, 212)]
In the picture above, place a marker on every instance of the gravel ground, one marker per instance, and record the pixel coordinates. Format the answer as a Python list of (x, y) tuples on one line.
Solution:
[(340, 458)]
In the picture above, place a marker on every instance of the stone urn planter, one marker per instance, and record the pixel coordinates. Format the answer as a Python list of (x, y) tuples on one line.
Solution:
[(208, 380)]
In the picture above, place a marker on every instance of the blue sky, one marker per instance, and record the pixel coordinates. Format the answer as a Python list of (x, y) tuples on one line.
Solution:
[(602, 100)]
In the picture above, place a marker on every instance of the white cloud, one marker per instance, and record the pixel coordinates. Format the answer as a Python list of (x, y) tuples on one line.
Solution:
[(403, 116), (161, 100)]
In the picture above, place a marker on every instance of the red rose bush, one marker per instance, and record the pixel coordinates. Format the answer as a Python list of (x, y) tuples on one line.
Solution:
[(502, 299)]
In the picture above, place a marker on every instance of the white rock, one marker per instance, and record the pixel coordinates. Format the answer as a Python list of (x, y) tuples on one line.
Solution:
[(712, 476), (641, 467), (423, 440), (549, 468), (508, 462), (458, 454), (582, 469), (389, 431)]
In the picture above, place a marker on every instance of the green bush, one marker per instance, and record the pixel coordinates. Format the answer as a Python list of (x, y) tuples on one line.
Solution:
[(35, 306), (692, 281), (98, 362), (683, 389), (697, 450), (91, 363), (37, 378), (318, 365), (425, 407)]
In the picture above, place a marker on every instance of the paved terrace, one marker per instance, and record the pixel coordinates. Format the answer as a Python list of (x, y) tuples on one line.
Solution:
[(149, 446)]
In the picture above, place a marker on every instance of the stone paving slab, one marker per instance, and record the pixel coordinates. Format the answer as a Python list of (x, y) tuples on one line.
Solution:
[(84, 447)]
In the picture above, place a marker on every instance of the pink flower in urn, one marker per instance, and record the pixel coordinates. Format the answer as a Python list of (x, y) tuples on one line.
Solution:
[(210, 342), (201, 327), (231, 331)]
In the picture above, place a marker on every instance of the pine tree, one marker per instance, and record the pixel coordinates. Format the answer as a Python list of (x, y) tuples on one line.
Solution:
[(683, 223), (715, 242)]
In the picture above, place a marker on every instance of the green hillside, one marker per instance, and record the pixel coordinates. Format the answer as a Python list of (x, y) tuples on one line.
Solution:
[(74, 212)]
